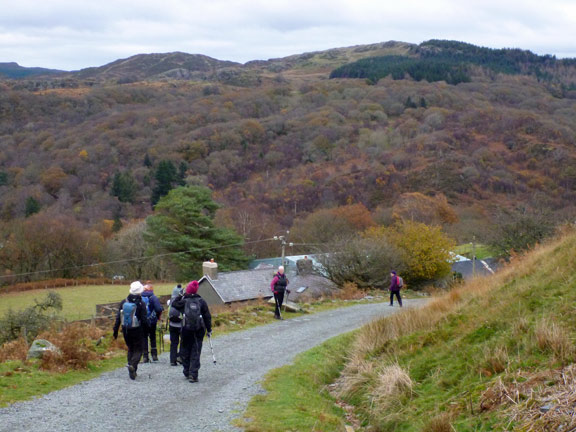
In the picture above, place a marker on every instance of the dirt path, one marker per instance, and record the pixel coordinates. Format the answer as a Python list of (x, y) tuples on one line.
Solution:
[(161, 399)]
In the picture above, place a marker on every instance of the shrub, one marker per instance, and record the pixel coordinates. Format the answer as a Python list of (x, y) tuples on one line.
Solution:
[(28, 323)]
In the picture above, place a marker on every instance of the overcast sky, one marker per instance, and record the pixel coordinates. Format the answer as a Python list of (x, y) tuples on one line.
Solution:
[(73, 34)]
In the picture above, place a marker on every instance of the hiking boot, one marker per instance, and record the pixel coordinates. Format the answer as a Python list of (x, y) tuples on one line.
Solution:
[(145, 359), (179, 360), (132, 372), (154, 357), (173, 364), (193, 379)]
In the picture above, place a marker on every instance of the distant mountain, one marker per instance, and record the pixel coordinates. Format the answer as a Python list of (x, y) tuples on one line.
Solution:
[(14, 70), (149, 66)]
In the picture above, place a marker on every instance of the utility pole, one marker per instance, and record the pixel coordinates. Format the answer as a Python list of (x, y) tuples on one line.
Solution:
[(284, 243), (473, 256)]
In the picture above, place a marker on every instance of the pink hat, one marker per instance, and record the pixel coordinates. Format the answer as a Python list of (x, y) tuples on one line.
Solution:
[(192, 287)]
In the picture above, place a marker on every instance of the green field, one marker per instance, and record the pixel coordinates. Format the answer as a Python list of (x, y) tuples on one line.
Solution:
[(78, 302), (482, 251)]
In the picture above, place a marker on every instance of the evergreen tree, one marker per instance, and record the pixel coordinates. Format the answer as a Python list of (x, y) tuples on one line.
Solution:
[(32, 206), (147, 161), (124, 187), (182, 173), (3, 178), (183, 222), (166, 177)]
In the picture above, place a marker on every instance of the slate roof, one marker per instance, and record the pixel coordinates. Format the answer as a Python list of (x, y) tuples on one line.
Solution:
[(465, 267), (242, 285)]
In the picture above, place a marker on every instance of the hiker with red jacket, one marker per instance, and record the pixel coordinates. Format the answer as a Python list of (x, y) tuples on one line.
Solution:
[(395, 286), (132, 315), (279, 286), (154, 308), (196, 323)]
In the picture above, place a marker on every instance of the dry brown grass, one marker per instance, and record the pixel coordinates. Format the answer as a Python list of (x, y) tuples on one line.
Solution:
[(76, 342), (551, 336), (496, 360), (349, 291), (392, 383), (439, 423), (14, 350)]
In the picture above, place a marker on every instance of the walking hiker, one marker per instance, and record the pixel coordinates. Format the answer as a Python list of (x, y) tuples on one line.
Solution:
[(396, 284), (197, 322), (175, 326), (154, 312), (132, 315), (279, 286)]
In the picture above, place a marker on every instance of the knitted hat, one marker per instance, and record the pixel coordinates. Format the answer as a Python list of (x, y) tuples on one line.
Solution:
[(136, 288), (192, 287), (393, 272)]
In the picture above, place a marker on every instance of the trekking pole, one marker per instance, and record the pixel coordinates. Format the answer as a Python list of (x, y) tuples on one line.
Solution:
[(278, 307), (212, 349), (286, 300)]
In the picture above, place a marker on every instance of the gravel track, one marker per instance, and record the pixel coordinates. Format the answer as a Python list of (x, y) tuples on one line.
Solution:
[(161, 398)]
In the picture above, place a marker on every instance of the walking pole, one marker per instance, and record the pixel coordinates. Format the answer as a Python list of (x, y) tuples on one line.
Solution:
[(212, 349), (278, 307), (286, 300)]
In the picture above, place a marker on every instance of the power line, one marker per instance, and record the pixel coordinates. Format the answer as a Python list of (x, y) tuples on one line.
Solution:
[(132, 259)]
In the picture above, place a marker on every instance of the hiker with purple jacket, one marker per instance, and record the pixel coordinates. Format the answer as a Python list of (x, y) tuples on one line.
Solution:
[(278, 286), (395, 286)]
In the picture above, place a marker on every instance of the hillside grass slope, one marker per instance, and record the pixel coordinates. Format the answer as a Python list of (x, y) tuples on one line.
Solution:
[(494, 354)]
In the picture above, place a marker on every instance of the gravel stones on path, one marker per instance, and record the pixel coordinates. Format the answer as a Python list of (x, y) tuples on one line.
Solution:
[(162, 399)]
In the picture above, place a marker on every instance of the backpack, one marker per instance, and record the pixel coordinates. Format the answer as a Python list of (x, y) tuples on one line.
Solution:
[(150, 314), (128, 315), (174, 315), (400, 282), (193, 315)]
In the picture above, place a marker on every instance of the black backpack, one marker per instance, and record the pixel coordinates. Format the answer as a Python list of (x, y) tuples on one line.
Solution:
[(193, 314)]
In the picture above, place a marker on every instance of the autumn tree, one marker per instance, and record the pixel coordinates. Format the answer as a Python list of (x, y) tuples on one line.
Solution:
[(327, 225), (429, 210), (520, 229), (425, 250)]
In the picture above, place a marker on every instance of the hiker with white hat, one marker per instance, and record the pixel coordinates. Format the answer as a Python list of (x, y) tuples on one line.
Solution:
[(132, 316)]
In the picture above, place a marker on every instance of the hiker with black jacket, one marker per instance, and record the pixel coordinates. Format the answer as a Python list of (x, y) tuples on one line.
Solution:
[(197, 322), (132, 315), (175, 326), (395, 286), (154, 308), (279, 286)]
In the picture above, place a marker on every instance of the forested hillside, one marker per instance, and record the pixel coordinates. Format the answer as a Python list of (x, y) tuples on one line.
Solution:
[(277, 140)]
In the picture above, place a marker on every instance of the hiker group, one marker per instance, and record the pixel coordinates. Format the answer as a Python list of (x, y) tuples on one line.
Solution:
[(189, 321)]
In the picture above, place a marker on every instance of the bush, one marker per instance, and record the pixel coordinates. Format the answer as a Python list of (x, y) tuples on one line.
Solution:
[(29, 322), (365, 262)]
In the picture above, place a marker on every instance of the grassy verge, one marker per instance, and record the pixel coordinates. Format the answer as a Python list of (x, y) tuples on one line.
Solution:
[(297, 398), (484, 357), (77, 302), (25, 380)]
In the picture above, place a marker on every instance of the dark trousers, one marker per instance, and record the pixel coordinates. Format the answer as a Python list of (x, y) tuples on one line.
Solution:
[(174, 342), (150, 334), (279, 298), (397, 294), (190, 350), (134, 339)]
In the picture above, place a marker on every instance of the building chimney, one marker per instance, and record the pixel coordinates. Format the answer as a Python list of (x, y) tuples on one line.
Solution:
[(210, 269)]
